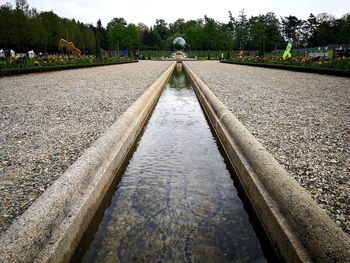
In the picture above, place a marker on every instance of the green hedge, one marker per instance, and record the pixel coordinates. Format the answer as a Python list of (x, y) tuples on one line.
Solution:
[(202, 54)]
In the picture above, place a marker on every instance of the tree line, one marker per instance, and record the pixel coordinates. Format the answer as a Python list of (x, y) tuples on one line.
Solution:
[(23, 29)]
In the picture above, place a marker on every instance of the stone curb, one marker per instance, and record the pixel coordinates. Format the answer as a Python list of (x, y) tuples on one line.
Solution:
[(299, 230), (50, 229)]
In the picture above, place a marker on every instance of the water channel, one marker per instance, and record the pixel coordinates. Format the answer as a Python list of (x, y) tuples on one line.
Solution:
[(176, 201)]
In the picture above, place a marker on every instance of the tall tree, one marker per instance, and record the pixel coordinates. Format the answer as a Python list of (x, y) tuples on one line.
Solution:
[(258, 33), (54, 30), (144, 35), (178, 27), (22, 5), (241, 34), (116, 36), (343, 32), (309, 28), (161, 29), (155, 40), (116, 20), (326, 30), (273, 39), (231, 22), (101, 35), (132, 37), (210, 29), (291, 26), (7, 27)]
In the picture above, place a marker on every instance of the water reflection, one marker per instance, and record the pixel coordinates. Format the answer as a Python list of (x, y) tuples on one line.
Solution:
[(176, 201), (179, 81), (178, 67)]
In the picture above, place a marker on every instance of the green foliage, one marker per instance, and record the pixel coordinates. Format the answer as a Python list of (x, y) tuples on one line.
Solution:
[(241, 26), (115, 35), (291, 26), (98, 47), (264, 33), (121, 36), (23, 29), (228, 55)]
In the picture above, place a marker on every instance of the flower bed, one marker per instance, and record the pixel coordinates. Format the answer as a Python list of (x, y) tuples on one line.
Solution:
[(13, 66), (337, 66)]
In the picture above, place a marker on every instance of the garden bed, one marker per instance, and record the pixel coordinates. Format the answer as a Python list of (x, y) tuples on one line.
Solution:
[(35, 69), (319, 70)]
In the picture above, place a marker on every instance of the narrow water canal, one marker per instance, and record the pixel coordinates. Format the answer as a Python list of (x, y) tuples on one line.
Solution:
[(176, 201)]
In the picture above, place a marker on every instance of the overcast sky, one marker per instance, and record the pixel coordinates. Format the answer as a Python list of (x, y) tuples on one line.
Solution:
[(147, 11)]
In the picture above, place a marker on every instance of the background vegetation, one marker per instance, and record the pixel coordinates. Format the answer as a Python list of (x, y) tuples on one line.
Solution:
[(23, 29)]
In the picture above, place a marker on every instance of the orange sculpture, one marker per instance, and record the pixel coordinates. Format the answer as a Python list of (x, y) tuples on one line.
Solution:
[(69, 46)]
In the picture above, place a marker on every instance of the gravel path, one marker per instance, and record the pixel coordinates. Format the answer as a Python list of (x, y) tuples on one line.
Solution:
[(48, 119), (302, 119)]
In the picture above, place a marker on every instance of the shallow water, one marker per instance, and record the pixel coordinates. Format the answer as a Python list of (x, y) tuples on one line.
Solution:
[(176, 201)]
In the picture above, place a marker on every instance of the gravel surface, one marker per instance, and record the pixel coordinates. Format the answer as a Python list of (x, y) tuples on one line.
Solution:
[(47, 120), (303, 119)]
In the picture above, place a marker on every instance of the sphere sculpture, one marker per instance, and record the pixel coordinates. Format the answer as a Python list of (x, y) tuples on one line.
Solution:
[(179, 43)]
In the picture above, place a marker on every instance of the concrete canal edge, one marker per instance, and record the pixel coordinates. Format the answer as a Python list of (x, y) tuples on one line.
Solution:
[(299, 230), (50, 230)]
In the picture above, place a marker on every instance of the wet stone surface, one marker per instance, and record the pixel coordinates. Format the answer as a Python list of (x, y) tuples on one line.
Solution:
[(176, 201), (303, 119), (47, 120)]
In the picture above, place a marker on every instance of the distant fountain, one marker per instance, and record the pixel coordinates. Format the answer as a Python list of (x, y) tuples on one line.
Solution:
[(179, 45)]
